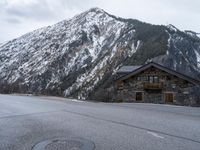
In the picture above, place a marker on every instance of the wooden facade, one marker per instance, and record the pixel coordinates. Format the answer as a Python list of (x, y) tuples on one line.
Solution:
[(154, 83)]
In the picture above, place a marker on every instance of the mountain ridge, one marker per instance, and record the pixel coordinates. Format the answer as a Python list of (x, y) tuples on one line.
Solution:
[(78, 57)]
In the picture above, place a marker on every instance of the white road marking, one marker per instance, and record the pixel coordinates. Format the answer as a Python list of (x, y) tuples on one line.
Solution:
[(155, 135)]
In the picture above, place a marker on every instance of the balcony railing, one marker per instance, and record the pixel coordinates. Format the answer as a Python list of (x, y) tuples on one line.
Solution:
[(152, 85)]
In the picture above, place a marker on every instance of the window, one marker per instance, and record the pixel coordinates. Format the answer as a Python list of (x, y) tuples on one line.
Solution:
[(144, 78), (156, 79), (153, 79), (173, 86)]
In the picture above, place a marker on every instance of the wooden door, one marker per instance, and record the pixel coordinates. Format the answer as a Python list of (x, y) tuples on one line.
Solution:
[(169, 97), (138, 96)]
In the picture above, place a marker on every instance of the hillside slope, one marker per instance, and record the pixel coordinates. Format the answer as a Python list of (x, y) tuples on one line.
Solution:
[(79, 56)]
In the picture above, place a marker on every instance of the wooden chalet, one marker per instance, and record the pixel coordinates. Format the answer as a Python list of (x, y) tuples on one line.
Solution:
[(153, 83)]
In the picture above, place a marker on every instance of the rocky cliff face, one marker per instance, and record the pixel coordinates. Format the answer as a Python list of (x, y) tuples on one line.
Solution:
[(78, 57)]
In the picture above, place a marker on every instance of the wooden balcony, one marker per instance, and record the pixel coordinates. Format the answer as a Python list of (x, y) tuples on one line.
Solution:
[(152, 86)]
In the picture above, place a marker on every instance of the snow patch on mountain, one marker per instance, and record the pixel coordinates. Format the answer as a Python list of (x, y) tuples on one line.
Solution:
[(198, 59), (198, 34), (172, 27), (54, 52), (74, 56)]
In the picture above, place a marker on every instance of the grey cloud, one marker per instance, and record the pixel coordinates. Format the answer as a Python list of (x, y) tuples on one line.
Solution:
[(31, 14), (12, 20), (38, 11), (77, 3), (184, 5), (43, 10)]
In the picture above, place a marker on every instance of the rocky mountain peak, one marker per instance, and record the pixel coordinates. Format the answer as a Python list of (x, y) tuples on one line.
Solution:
[(79, 57), (192, 34), (172, 27), (96, 9)]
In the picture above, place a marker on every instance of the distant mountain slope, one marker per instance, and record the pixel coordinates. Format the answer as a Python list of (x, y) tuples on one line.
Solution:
[(78, 57)]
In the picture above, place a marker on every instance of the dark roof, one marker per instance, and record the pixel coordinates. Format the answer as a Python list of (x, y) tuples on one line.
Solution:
[(127, 69), (146, 66)]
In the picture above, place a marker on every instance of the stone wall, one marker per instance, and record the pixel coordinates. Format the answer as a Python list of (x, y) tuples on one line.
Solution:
[(153, 98)]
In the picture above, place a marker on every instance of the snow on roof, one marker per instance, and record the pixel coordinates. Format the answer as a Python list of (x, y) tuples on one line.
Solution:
[(127, 69)]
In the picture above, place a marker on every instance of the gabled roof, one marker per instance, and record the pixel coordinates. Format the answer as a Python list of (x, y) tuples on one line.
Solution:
[(168, 70), (127, 69)]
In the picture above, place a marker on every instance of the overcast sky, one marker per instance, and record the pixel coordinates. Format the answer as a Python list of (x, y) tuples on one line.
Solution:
[(18, 17)]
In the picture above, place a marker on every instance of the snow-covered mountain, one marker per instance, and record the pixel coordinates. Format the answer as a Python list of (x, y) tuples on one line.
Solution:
[(79, 56)]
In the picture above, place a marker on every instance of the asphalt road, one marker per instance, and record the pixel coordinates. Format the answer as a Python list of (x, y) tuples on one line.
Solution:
[(26, 121)]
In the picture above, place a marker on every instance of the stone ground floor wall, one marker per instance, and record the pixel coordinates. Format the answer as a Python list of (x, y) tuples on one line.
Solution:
[(153, 97), (187, 99), (178, 98), (126, 96)]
